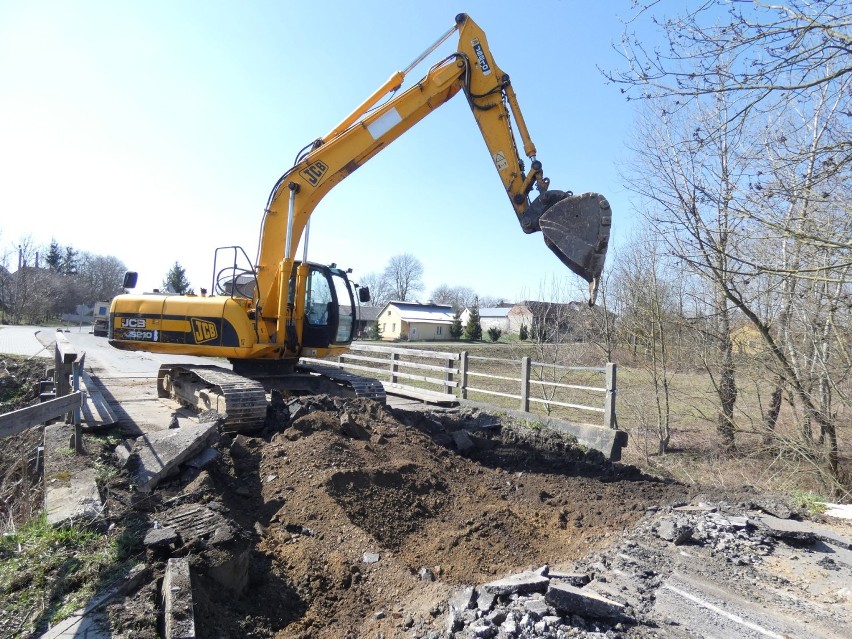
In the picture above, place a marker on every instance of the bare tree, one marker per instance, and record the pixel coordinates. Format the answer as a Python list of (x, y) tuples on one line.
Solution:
[(691, 183), (776, 79), (404, 274), (459, 297), (100, 276), (648, 316), (766, 53), (380, 289)]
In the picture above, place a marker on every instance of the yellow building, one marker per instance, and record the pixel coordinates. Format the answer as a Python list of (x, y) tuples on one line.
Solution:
[(414, 321)]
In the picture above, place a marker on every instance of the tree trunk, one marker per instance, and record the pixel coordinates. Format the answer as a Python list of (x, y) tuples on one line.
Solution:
[(771, 420)]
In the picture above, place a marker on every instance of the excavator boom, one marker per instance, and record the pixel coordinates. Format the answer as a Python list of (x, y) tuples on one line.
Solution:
[(268, 315)]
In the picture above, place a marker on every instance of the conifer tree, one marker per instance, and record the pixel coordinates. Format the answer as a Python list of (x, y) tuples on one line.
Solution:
[(456, 328), (473, 329), (54, 256), (176, 280)]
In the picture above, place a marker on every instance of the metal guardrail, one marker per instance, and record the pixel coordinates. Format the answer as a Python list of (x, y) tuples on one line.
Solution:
[(387, 362)]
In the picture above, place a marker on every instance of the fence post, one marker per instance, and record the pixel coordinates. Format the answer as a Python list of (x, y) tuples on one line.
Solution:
[(78, 428), (394, 367), (448, 377), (609, 402), (463, 374), (525, 384)]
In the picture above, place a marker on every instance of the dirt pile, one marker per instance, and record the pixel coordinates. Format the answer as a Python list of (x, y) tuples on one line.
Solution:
[(354, 520)]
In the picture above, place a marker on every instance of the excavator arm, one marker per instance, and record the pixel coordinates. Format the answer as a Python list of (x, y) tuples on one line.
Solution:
[(266, 317), (575, 228)]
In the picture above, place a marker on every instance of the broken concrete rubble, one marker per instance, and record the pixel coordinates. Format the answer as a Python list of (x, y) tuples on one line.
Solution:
[(70, 489), (159, 454), (805, 532), (157, 538), (523, 583), (584, 602), (178, 617)]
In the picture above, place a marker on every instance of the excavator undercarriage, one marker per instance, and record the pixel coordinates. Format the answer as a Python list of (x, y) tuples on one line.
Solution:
[(242, 401)]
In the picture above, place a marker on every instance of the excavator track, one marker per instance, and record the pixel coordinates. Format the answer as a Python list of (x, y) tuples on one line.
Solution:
[(360, 386), (241, 400)]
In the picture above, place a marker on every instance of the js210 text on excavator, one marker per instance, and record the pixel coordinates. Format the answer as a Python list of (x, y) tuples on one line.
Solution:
[(263, 317)]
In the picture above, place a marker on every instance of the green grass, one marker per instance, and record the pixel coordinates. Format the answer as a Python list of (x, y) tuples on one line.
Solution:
[(46, 572), (813, 503)]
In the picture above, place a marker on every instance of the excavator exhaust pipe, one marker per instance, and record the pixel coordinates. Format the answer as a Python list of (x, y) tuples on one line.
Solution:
[(576, 228)]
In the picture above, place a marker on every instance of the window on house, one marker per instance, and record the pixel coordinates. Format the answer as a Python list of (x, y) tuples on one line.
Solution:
[(384, 327), (439, 330), (393, 327)]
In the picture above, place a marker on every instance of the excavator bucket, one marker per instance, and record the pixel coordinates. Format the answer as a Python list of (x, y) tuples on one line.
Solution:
[(576, 228)]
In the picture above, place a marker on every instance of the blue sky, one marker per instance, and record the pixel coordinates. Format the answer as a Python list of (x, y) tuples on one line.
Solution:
[(153, 131)]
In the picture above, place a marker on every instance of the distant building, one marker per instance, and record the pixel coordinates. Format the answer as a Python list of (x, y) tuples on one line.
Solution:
[(508, 318), (365, 319), (414, 321)]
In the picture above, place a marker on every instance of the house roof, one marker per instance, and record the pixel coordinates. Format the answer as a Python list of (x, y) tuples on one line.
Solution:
[(494, 312), (367, 313)]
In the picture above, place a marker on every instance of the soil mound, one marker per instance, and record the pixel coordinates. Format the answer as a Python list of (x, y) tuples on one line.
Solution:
[(366, 520)]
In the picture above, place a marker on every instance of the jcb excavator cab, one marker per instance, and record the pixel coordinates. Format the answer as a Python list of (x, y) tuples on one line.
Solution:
[(329, 307)]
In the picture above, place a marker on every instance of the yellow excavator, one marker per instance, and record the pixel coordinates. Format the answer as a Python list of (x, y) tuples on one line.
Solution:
[(264, 317)]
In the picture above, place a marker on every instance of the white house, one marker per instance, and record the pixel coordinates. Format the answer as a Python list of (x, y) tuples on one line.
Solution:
[(415, 321), (508, 318)]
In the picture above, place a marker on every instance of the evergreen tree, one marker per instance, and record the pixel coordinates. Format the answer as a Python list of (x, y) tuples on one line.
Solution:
[(176, 280), (523, 333), (473, 329), (456, 328), (54, 256), (69, 262)]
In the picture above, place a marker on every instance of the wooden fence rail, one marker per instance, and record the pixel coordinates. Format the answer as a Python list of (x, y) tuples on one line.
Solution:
[(388, 362), (24, 418), (66, 398)]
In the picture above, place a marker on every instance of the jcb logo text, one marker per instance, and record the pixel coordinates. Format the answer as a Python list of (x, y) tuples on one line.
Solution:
[(133, 322), (203, 331), (313, 174)]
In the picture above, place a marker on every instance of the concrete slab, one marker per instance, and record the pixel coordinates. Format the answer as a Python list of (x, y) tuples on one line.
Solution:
[(803, 531), (523, 583), (137, 407), (97, 412), (839, 511), (178, 615), (81, 625), (70, 490), (427, 396), (159, 453), (606, 440), (90, 622), (580, 601)]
